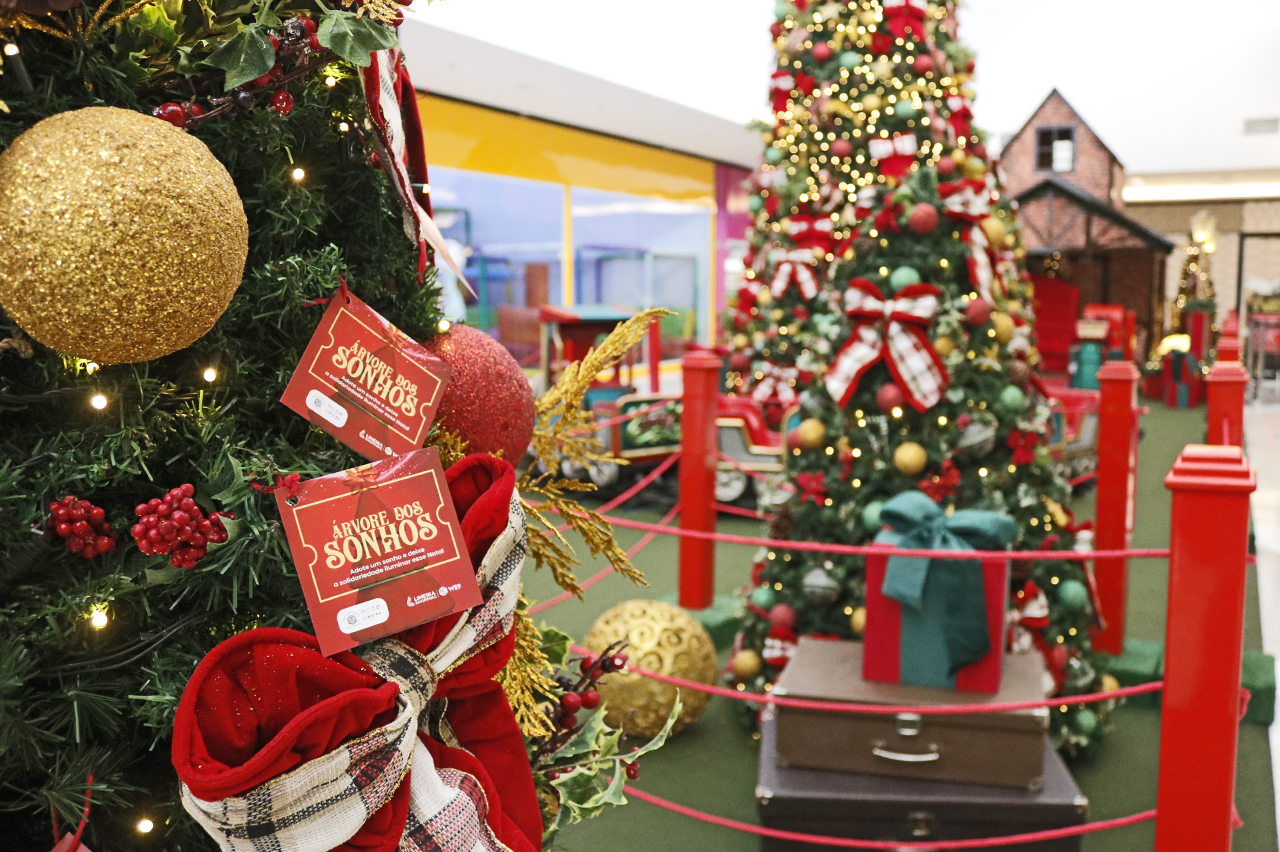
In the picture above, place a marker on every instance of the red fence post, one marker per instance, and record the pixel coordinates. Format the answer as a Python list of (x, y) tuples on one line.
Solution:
[(1204, 639), (1226, 384), (1117, 495), (697, 477), (1228, 348), (655, 354)]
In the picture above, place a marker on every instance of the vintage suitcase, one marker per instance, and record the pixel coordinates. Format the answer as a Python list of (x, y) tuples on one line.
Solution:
[(870, 807), (1001, 749)]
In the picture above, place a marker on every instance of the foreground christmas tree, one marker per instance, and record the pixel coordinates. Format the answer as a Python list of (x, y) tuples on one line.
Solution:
[(183, 187), (887, 299)]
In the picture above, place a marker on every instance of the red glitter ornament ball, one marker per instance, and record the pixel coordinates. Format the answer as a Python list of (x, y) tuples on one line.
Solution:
[(923, 218), (822, 52), (889, 396), (923, 63), (841, 148), (977, 312), (487, 402)]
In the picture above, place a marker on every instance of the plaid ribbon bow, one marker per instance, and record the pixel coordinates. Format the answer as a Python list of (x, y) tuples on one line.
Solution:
[(794, 266), (811, 232), (323, 802), (777, 382), (893, 329)]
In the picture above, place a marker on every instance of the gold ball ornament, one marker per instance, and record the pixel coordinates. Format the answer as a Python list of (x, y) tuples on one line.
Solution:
[(994, 230), (858, 621), (741, 341), (811, 433), (1003, 325), (662, 638), (910, 458), (871, 101), (867, 17), (944, 346), (124, 238), (974, 168), (958, 156), (764, 297), (746, 664), (1013, 306), (1109, 683)]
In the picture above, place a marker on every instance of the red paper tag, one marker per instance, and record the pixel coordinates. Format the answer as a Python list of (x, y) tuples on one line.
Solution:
[(365, 383), (379, 549)]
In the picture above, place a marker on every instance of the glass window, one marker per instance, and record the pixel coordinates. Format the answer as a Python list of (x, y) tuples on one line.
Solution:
[(511, 231), (641, 252), (1055, 149)]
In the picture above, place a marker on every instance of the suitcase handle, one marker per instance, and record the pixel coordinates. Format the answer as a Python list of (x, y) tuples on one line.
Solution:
[(902, 757)]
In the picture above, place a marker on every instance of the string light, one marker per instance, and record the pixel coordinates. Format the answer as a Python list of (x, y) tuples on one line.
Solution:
[(942, 421), (10, 49), (343, 127), (210, 374), (145, 825), (98, 401), (444, 325), (982, 471), (330, 82), (98, 617), (91, 367), (298, 174)]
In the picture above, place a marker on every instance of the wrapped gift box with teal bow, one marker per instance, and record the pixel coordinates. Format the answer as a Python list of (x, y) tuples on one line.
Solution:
[(937, 622)]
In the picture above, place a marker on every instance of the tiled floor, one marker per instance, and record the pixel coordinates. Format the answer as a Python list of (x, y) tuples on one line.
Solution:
[(1262, 442)]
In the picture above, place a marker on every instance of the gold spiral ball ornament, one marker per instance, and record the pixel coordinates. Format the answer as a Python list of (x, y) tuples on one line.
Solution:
[(661, 638), (123, 237)]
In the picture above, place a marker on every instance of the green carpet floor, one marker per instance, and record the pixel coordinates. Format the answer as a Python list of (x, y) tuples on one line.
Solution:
[(712, 765)]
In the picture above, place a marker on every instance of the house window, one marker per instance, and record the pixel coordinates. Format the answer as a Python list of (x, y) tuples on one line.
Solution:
[(1056, 149)]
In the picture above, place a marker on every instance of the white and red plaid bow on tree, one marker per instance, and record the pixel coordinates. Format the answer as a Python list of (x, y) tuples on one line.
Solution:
[(776, 382), (794, 267), (896, 330)]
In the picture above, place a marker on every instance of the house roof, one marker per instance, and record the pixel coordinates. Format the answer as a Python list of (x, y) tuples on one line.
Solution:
[(1097, 207), (1074, 112), (466, 69)]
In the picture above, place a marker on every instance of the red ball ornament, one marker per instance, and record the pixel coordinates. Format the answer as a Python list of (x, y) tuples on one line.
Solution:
[(977, 312), (775, 29), (282, 102), (487, 402), (841, 148), (822, 52), (889, 396), (946, 166), (739, 362), (923, 218), (782, 616), (923, 63)]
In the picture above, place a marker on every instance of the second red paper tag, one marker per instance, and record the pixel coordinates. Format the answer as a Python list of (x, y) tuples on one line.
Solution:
[(379, 549), (366, 383)]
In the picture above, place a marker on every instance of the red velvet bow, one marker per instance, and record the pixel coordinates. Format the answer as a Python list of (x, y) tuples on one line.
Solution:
[(1023, 445), (905, 16)]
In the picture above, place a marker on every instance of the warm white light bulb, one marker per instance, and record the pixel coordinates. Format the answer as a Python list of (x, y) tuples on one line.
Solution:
[(91, 367), (444, 325), (343, 127), (98, 401), (299, 174), (99, 618), (10, 49), (330, 82), (210, 374), (145, 825)]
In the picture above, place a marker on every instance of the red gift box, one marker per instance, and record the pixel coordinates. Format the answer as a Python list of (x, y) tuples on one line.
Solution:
[(882, 640)]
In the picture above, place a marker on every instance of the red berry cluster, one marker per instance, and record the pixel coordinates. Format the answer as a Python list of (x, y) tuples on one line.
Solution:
[(583, 695), (177, 114), (82, 524), (176, 527)]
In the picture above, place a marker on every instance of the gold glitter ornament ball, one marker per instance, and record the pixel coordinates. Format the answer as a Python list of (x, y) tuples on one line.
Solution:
[(661, 637), (123, 238)]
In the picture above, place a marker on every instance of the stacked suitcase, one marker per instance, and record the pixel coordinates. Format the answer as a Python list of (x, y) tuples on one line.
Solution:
[(909, 777)]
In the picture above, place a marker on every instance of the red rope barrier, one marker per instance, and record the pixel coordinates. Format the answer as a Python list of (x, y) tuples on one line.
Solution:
[(754, 474), (889, 709), (851, 843), (586, 584), (1082, 478), (623, 418), (730, 509), (873, 549)]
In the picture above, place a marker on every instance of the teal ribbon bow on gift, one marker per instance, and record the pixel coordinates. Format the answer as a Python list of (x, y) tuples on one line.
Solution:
[(948, 588)]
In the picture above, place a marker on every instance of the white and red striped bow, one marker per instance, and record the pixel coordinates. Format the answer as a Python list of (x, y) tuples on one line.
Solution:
[(893, 329), (811, 232), (981, 272), (968, 199), (776, 382), (794, 266)]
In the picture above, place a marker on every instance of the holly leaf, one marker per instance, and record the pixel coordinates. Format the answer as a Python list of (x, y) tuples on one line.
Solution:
[(245, 56), (354, 38), (153, 21), (555, 644)]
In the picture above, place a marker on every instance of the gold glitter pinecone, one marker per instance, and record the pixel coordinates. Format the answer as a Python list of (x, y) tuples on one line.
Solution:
[(123, 237), (662, 638)]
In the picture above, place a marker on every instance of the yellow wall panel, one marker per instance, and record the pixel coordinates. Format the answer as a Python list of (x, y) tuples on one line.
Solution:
[(466, 136)]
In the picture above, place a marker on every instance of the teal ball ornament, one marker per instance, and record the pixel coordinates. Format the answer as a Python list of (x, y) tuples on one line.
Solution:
[(1073, 595), (904, 110), (871, 514), (903, 276), (1085, 721), (755, 203), (1012, 400), (850, 59), (773, 156), (763, 597)]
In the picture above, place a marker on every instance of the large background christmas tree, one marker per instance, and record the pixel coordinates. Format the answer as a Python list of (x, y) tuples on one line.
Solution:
[(878, 197)]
